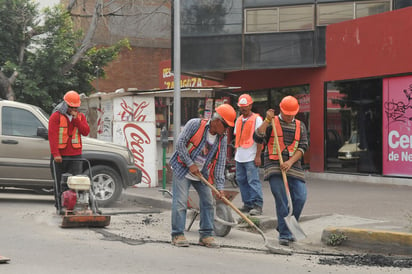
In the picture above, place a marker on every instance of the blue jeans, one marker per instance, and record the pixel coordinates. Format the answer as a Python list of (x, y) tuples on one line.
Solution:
[(247, 177), (180, 189), (298, 195)]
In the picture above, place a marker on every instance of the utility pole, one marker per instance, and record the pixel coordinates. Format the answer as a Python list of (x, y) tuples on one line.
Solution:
[(176, 72)]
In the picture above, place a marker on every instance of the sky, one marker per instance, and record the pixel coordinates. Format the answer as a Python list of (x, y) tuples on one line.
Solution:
[(45, 3)]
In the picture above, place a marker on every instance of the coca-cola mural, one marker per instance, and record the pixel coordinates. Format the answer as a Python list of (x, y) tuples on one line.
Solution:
[(134, 127)]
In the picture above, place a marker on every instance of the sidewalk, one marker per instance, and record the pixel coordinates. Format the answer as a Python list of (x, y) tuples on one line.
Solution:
[(362, 234)]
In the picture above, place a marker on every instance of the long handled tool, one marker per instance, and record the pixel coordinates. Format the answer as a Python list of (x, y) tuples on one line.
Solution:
[(272, 249), (290, 220)]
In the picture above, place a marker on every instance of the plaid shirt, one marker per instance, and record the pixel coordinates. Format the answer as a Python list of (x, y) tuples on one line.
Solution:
[(272, 166), (180, 170)]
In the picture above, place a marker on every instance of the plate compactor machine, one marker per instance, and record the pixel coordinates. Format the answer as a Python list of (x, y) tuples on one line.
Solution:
[(77, 203)]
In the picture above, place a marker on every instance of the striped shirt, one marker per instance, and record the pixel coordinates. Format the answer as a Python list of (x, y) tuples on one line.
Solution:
[(271, 167), (180, 170)]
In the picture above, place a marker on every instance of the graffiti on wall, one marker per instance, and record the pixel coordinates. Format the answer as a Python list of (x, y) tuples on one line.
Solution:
[(397, 126)]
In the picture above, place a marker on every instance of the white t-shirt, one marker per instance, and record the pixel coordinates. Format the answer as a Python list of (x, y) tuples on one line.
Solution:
[(244, 155), (201, 158)]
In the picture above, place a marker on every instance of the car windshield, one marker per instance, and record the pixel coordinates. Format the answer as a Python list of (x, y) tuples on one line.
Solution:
[(43, 113)]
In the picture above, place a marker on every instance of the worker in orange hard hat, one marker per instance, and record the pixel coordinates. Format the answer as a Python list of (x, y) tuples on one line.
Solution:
[(293, 142), (66, 126), (247, 157), (200, 151)]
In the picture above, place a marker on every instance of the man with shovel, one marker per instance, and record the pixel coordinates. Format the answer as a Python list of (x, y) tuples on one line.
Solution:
[(200, 153), (292, 144)]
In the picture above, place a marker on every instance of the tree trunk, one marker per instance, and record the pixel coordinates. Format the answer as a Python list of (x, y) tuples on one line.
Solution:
[(87, 41), (6, 85)]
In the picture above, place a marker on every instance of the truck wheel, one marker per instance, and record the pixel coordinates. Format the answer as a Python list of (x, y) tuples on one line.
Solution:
[(107, 185), (223, 212)]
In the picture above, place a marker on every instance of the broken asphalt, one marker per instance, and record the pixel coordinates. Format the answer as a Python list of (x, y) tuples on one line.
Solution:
[(329, 232)]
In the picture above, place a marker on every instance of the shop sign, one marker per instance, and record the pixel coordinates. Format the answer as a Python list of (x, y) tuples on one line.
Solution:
[(166, 78), (397, 126)]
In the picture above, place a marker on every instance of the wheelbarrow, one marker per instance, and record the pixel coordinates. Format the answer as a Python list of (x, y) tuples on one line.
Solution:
[(223, 221)]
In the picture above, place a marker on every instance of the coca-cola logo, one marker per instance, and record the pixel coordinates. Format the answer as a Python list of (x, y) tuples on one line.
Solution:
[(134, 112), (136, 139)]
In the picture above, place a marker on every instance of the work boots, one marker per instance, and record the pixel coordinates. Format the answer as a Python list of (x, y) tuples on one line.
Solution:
[(256, 211)]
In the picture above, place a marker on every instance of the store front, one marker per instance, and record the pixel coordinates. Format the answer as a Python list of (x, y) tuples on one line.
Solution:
[(136, 119), (351, 98)]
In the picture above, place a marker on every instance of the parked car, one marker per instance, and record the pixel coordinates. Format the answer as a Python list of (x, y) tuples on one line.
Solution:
[(25, 155), (350, 151)]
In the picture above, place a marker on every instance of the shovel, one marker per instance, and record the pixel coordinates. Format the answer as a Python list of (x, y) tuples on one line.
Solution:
[(290, 220), (272, 249)]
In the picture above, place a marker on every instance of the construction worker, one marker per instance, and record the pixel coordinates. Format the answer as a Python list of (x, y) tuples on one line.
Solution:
[(247, 157), (66, 125), (200, 151), (293, 142)]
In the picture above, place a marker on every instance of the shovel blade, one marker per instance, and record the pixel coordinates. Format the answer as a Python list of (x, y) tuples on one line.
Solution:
[(72, 221), (295, 228)]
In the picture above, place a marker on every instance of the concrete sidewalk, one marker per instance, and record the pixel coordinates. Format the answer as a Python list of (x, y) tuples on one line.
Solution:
[(356, 233)]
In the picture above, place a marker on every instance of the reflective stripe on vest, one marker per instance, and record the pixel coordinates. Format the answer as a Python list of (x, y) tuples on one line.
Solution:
[(273, 154), (244, 131), (64, 134), (194, 142)]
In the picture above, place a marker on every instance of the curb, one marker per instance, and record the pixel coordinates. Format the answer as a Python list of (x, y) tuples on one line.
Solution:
[(162, 203), (371, 240)]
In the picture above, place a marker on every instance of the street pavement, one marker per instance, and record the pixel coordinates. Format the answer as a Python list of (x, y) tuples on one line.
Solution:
[(365, 224)]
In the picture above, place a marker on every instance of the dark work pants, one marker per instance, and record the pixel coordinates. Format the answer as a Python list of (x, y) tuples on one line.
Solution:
[(70, 164)]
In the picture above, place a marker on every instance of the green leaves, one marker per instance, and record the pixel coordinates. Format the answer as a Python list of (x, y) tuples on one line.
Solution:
[(38, 46)]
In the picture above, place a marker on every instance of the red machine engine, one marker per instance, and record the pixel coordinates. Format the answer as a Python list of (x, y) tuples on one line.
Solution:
[(69, 199)]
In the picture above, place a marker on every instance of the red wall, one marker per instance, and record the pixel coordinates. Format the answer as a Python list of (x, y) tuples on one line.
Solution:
[(369, 46), (378, 45)]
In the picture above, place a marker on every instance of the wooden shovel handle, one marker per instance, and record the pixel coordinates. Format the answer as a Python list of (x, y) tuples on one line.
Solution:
[(280, 155), (285, 179), (226, 201)]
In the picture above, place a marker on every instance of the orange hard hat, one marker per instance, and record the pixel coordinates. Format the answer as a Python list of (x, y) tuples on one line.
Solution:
[(244, 100), (228, 113), (289, 105), (72, 98)]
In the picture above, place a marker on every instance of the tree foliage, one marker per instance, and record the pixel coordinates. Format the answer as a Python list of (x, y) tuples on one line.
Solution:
[(36, 60)]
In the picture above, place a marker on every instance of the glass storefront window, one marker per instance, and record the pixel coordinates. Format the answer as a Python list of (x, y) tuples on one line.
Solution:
[(353, 126)]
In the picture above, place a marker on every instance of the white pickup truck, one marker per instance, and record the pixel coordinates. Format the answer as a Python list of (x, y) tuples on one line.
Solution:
[(25, 155)]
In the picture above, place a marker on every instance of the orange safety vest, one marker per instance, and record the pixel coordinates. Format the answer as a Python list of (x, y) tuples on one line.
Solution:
[(194, 143), (64, 134), (273, 153), (244, 131)]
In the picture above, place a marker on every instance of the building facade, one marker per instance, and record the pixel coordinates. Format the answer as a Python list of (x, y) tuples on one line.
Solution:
[(346, 61)]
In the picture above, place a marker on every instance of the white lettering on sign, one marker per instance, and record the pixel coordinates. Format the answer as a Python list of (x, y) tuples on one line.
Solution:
[(395, 140), (135, 114), (136, 139), (406, 157)]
